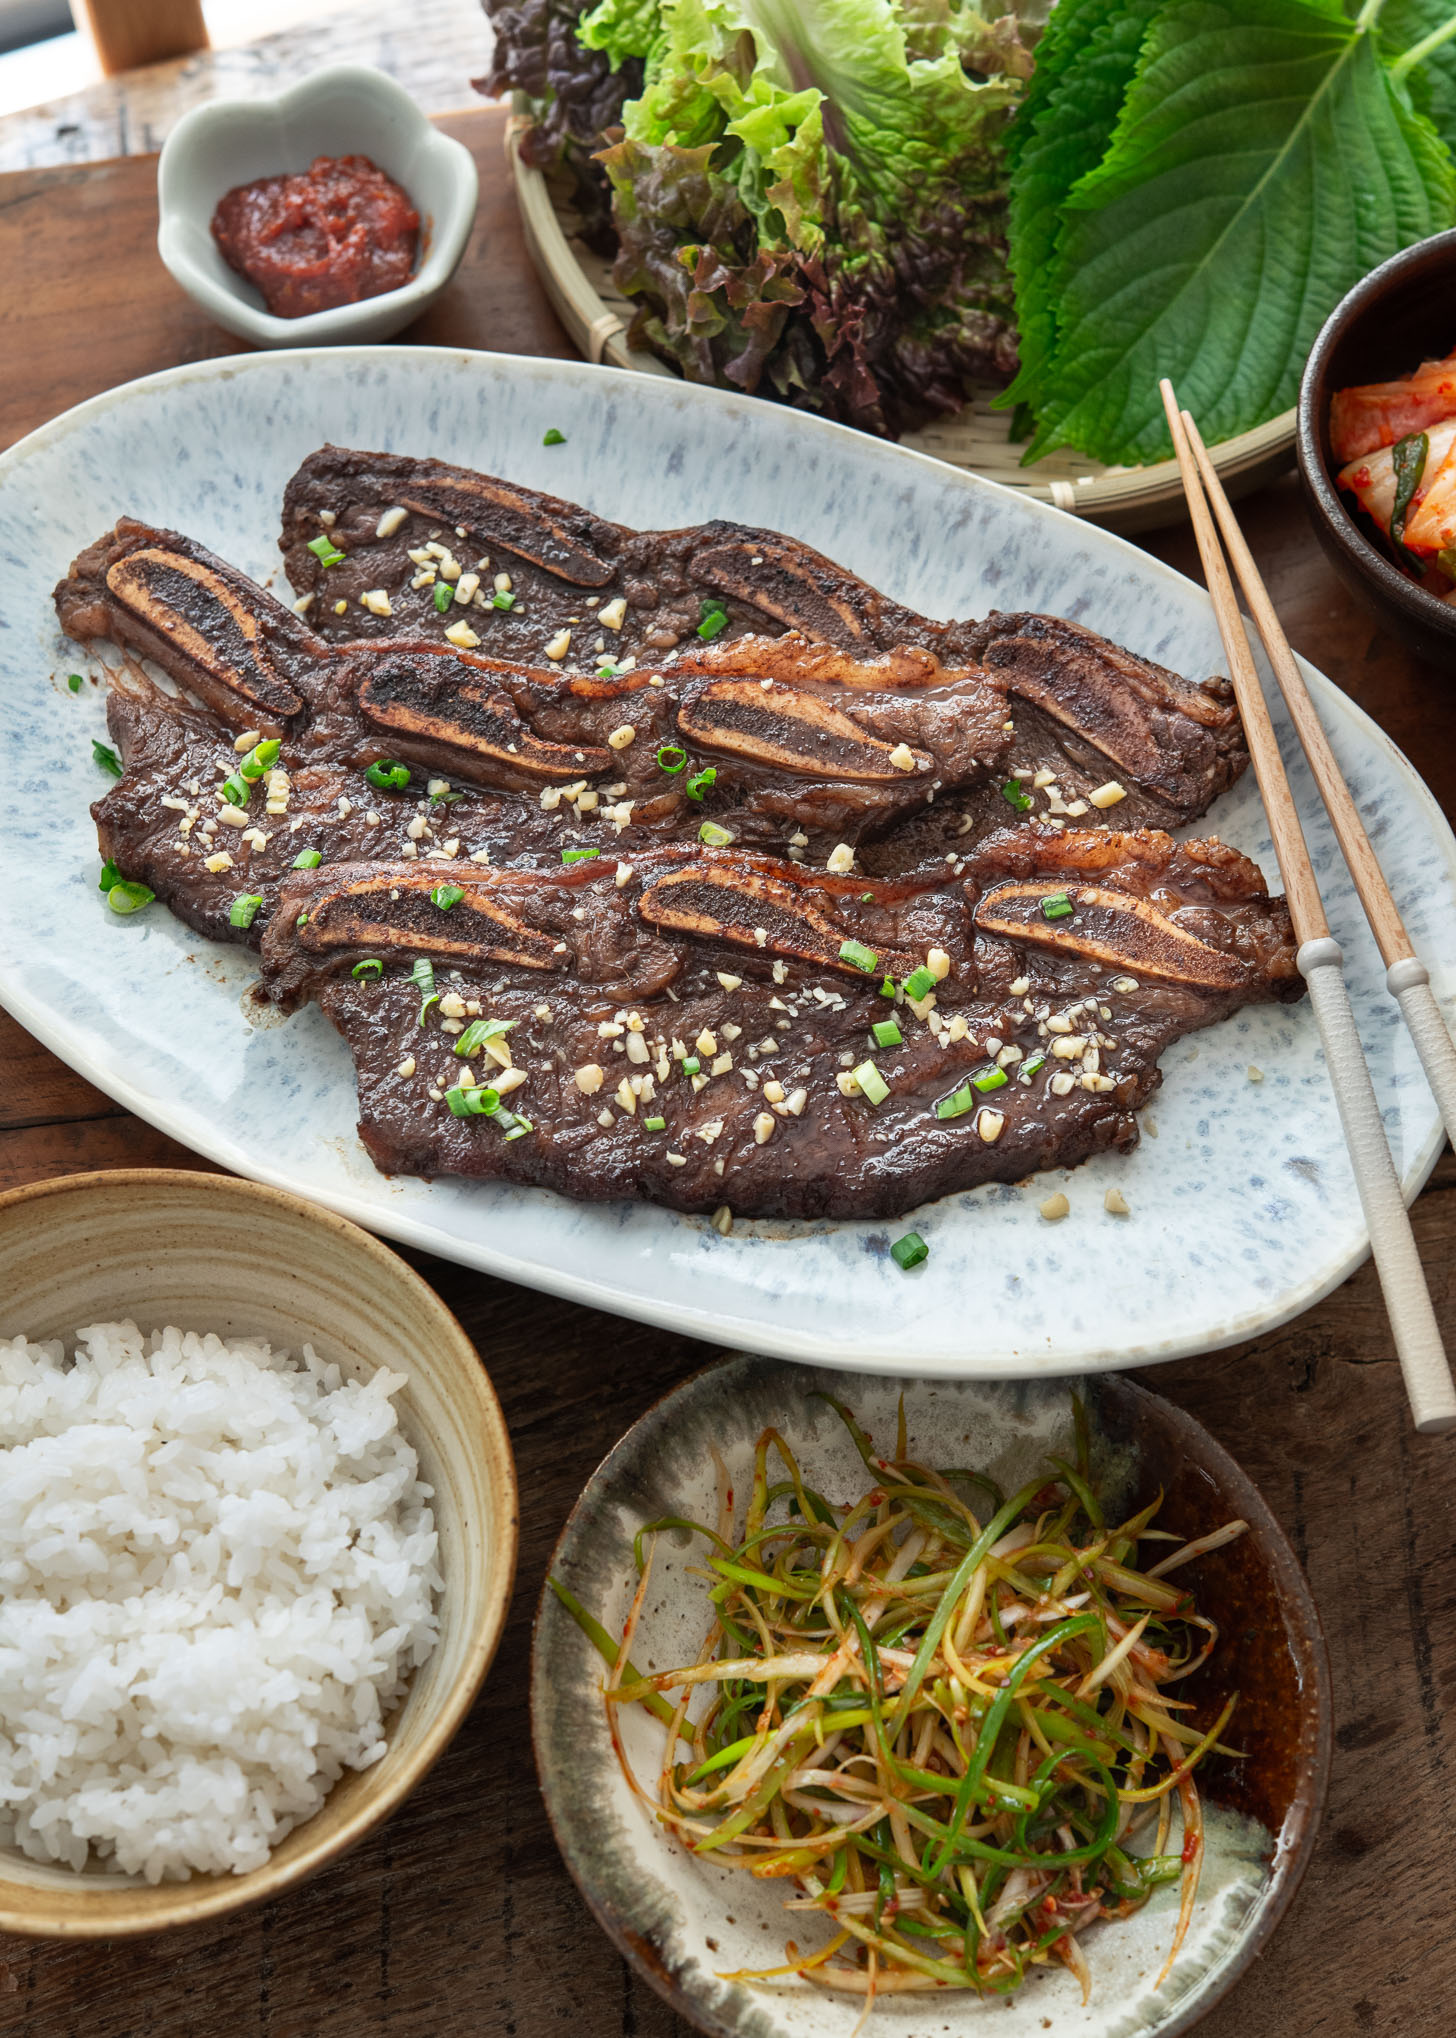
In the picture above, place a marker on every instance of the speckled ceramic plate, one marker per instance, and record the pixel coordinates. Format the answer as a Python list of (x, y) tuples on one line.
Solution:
[(1243, 1207), (685, 1922)]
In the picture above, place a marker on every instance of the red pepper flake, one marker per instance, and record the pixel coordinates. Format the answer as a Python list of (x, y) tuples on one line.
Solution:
[(1192, 1847)]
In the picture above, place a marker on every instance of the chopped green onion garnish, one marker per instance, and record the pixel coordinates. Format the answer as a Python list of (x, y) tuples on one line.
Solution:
[(476, 1103), (1057, 907), (260, 757), (578, 855), (715, 619), (308, 859), (106, 757), (74, 681), (422, 976), (554, 438), (502, 601), (699, 782), (872, 1082), (956, 1104), (443, 596), (714, 836), (325, 550), (866, 898), (479, 1031), (444, 799), (608, 666), (446, 896), (671, 758), (244, 909), (858, 956), (1032, 1063), (235, 791), (887, 1034), (989, 1079), (919, 982), (1012, 793), (125, 897), (110, 876), (909, 1251), (519, 1130), (389, 775), (691, 1065), (654, 1125), (371, 966), (887, 988), (302, 920)]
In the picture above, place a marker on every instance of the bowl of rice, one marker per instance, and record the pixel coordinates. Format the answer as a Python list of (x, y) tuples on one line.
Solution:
[(257, 1542)]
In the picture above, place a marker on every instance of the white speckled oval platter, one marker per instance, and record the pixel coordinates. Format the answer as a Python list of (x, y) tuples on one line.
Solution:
[(1243, 1209), (688, 1923)]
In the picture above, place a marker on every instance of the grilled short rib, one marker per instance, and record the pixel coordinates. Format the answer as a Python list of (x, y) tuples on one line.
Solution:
[(806, 741), (1091, 714), (731, 996), (564, 567), (780, 741)]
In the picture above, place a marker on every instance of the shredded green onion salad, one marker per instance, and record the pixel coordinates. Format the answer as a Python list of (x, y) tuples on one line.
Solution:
[(948, 1718)]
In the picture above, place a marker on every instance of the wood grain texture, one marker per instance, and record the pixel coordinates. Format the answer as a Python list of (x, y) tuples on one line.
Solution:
[(85, 239), (130, 33), (433, 57), (458, 1918)]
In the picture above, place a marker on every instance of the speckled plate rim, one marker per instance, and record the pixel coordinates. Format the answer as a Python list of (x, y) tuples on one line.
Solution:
[(678, 1311), (1292, 1855)]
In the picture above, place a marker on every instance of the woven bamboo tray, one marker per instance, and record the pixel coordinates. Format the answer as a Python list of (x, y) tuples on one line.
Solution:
[(579, 284)]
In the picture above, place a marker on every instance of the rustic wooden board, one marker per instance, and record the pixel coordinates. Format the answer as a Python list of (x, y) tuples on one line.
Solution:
[(458, 1919)]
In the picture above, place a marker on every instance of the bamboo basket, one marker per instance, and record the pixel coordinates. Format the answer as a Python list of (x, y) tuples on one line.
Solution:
[(579, 284)]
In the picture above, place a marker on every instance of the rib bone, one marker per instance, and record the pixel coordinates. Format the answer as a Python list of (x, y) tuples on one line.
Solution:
[(1116, 928), (791, 729), (732, 900), (202, 620), (405, 697), (394, 910)]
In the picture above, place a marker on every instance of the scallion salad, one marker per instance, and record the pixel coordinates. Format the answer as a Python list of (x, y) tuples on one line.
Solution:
[(946, 1718)]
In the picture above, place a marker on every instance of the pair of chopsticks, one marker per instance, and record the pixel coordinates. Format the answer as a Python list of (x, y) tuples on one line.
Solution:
[(1418, 1344)]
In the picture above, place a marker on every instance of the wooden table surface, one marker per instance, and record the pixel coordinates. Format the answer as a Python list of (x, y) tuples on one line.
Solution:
[(458, 1917)]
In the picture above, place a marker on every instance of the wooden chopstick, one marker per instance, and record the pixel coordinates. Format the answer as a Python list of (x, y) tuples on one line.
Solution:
[(1428, 1381), (1406, 976)]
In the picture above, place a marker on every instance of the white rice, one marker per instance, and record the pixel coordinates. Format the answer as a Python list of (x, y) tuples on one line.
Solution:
[(217, 1572)]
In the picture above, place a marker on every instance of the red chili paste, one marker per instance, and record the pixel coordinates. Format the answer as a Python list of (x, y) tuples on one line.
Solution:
[(337, 233)]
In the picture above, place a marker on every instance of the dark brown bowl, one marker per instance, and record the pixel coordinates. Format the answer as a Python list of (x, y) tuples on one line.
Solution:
[(681, 1922), (1403, 313)]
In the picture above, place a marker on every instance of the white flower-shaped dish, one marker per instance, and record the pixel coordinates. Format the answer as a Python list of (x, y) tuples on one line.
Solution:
[(346, 110)]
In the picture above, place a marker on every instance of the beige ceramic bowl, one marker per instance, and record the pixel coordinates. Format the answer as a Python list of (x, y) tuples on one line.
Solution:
[(209, 1252)]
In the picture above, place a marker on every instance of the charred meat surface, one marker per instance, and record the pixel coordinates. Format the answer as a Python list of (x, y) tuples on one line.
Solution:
[(207, 625), (694, 1028), (1084, 716), (729, 880), (765, 740), (407, 527), (172, 821)]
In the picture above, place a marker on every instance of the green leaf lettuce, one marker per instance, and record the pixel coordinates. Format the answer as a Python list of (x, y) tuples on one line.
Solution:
[(862, 144)]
